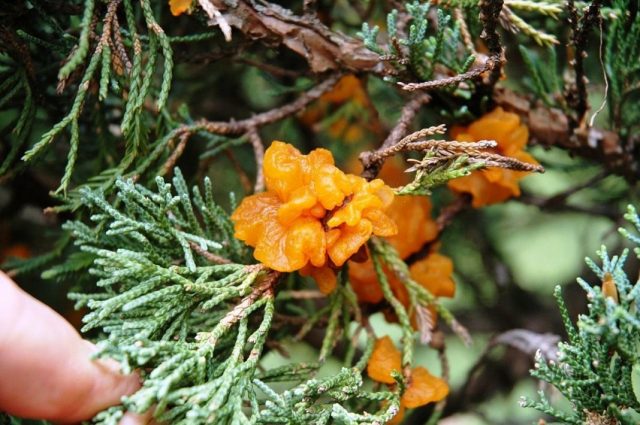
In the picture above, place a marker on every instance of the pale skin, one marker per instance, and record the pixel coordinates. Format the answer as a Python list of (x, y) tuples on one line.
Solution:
[(46, 369)]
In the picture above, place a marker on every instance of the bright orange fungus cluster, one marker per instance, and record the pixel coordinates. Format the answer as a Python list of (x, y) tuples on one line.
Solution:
[(494, 185), (178, 7), (422, 388), (348, 89), (415, 229), (313, 217)]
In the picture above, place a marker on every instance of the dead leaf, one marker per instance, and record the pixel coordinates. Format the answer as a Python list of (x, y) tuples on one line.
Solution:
[(324, 49)]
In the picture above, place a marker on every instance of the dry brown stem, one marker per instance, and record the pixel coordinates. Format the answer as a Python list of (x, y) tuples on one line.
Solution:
[(323, 49), (373, 160)]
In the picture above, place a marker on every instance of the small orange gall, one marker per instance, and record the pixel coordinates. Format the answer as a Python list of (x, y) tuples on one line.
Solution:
[(178, 7), (384, 359), (423, 388), (313, 216), (609, 289)]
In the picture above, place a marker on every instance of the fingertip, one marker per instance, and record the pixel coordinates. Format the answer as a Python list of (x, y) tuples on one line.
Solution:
[(131, 418), (108, 388)]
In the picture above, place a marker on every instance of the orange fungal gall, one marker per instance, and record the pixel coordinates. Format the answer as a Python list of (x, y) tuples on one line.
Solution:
[(494, 185), (422, 387), (313, 216), (384, 360)]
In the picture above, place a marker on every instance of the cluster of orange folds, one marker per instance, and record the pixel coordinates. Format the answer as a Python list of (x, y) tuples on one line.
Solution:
[(313, 217), (494, 185), (415, 229), (178, 7), (349, 89), (422, 387)]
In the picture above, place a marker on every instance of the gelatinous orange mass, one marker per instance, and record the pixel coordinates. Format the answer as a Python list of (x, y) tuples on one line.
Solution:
[(324, 276), (364, 282), (347, 88), (178, 7), (349, 241), (494, 185), (434, 274), (423, 388), (412, 214), (384, 359), (313, 215), (283, 169)]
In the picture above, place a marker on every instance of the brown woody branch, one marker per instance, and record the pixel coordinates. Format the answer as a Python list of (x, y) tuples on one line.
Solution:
[(577, 96), (489, 65), (490, 18), (244, 126), (551, 127), (249, 127), (325, 50), (264, 289), (373, 160)]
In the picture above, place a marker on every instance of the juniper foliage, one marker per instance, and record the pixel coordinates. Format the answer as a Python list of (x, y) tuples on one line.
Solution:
[(174, 300), (419, 51), (598, 368)]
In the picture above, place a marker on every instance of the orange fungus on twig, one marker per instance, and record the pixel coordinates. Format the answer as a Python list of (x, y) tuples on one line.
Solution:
[(494, 185), (422, 387), (313, 217), (178, 7)]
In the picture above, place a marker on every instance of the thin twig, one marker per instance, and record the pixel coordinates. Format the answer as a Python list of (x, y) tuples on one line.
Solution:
[(490, 16), (258, 152), (604, 77), (444, 365), (250, 126), (449, 81), (216, 259), (175, 155), (372, 161), (245, 181), (264, 288), (409, 140), (243, 126), (302, 294), (581, 27)]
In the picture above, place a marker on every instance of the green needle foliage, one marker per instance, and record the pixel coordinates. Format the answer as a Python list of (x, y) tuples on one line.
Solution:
[(196, 329), (623, 71), (598, 368), (419, 52)]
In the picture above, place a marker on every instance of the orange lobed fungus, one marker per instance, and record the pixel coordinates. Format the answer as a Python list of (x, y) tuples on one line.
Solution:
[(18, 250), (178, 7), (494, 185), (422, 387), (415, 228), (313, 217), (385, 359), (348, 89)]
